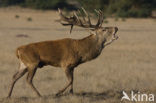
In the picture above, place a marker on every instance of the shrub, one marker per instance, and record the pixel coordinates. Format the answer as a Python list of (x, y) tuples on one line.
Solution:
[(120, 8), (17, 16), (11, 2), (44, 4), (29, 19)]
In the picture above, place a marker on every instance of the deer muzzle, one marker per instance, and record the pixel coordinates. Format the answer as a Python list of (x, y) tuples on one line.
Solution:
[(114, 35)]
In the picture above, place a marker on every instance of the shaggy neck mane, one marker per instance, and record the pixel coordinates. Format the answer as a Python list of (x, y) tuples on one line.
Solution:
[(89, 47)]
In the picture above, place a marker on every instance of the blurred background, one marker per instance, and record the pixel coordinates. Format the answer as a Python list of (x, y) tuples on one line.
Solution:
[(127, 64), (119, 8)]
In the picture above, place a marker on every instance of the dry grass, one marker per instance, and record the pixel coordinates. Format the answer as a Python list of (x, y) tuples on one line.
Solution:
[(128, 64)]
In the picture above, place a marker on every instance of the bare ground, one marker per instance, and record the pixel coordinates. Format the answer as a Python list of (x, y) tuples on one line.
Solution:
[(128, 64)]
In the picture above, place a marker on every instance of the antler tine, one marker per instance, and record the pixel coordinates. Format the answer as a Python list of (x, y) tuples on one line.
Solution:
[(71, 28), (68, 20), (62, 16), (89, 21), (78, 19), (84, 20), (102, 18), (99, 17)]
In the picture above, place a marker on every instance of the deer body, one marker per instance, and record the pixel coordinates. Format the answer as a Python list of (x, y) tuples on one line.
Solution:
[(61, 53), (65, 53)]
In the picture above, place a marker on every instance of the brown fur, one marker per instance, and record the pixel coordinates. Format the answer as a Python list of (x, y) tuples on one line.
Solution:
[(65, 53)]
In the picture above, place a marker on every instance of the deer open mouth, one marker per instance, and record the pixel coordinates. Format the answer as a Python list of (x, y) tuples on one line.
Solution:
[(114, 35)]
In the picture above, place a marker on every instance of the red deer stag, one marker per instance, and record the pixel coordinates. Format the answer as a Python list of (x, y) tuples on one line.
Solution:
[(65, 53)]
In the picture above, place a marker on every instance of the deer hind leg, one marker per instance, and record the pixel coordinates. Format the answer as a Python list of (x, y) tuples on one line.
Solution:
[(31, 73), (69, 74), (22, 70)]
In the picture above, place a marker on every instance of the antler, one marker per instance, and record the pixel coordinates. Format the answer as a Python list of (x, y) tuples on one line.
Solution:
[(85, 23)]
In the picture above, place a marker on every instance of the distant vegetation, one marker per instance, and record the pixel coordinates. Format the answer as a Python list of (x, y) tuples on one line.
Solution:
[(118, 8), (36, 4), (122, 8), (17, 16), (29, 19)]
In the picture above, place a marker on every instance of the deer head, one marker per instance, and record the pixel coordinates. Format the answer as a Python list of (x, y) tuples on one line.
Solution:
[(106, 34)]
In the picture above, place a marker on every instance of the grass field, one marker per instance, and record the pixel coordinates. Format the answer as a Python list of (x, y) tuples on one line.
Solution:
[(127, 64)]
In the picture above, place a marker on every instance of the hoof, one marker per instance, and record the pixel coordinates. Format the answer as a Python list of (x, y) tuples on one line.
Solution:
[(58, 94), (39, 96), (71, 91), (8, 97)]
